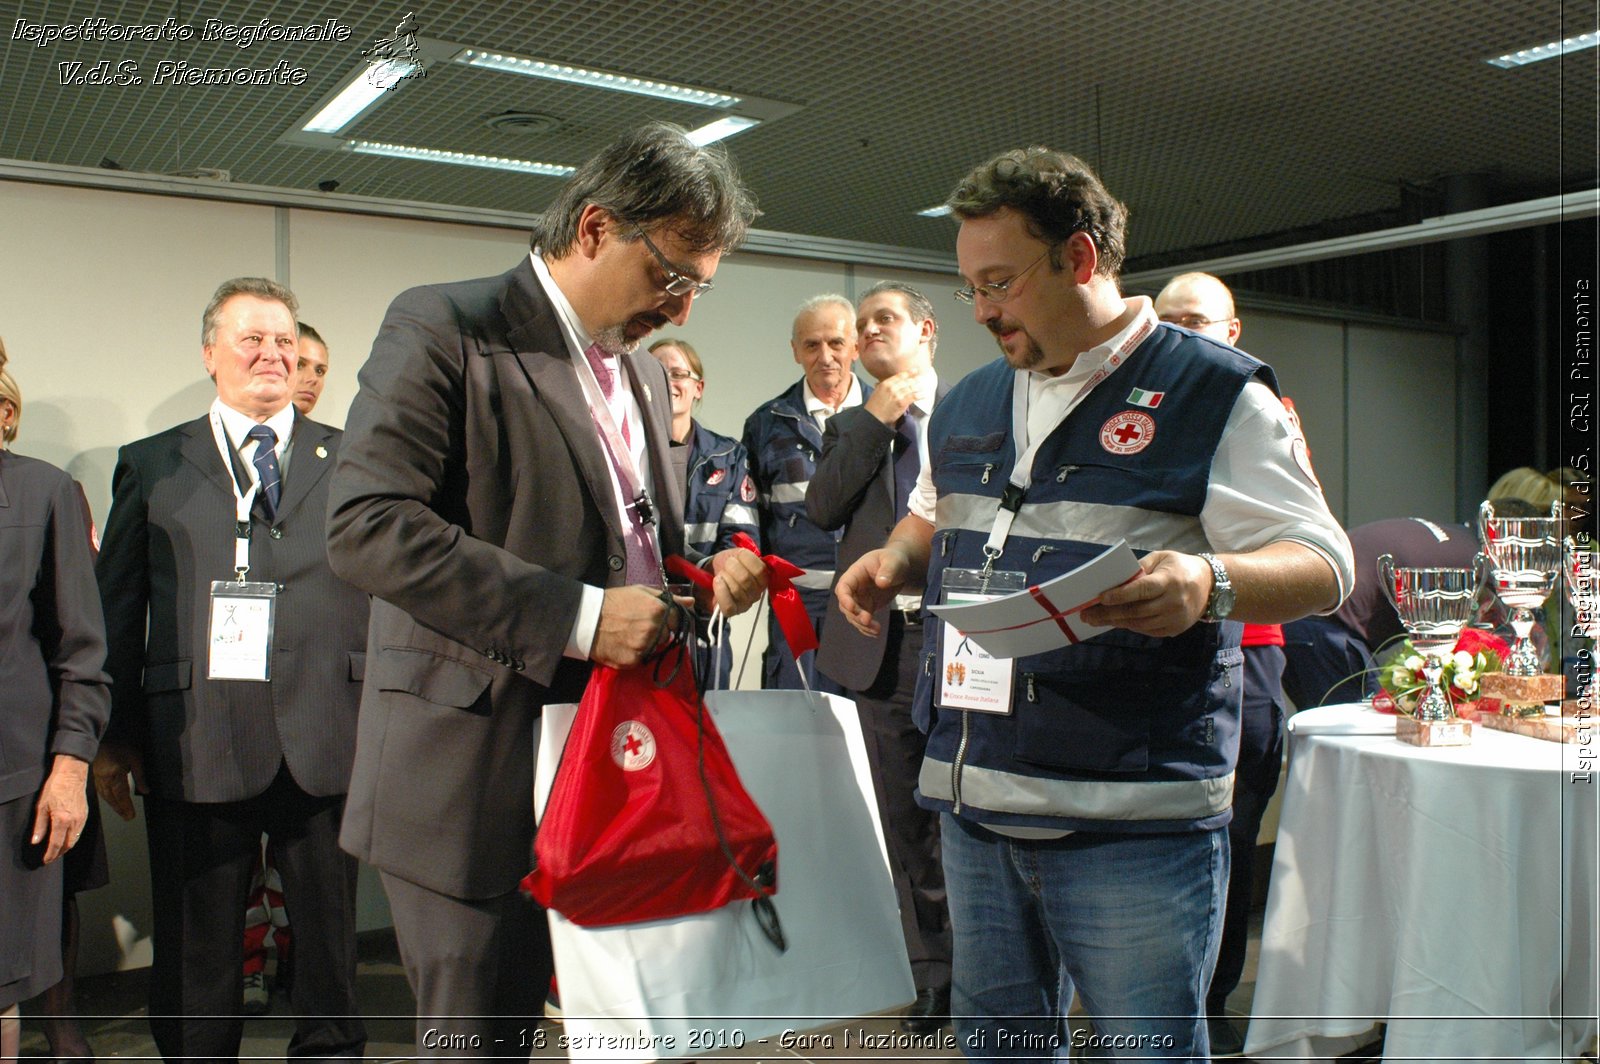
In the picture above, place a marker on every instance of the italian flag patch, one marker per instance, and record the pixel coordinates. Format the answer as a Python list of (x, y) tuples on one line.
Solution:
[(1140, 397)]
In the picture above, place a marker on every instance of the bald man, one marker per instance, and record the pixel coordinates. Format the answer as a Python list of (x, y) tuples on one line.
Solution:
[(1202, 303)]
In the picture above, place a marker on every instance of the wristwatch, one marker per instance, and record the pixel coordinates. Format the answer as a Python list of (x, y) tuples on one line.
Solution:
[(1220, 604)]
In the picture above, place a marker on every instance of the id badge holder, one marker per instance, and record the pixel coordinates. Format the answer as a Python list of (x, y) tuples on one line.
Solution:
[(239, 635), (969, 678)]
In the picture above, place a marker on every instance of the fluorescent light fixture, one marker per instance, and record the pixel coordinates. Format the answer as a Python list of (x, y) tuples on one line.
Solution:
[(598, 79), (459, 158), (934, 212), (347, 106), (1524, 56), (721, 129)]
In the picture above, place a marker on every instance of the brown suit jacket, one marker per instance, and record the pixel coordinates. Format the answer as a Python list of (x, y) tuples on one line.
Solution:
[(472, 499)]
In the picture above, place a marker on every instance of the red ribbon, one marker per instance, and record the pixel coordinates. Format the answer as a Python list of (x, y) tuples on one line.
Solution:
[(786, 604)]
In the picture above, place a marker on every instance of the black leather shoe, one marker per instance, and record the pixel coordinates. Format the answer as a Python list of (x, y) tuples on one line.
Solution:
[(929, 1012)]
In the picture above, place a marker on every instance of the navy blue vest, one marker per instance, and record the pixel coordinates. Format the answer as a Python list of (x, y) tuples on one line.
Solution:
[(1123, 732)]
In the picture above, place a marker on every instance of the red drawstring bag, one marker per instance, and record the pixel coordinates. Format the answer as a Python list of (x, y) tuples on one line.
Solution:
[(647, 819)]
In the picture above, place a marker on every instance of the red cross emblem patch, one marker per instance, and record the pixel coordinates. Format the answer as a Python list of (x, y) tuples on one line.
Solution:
[(747, 490), (1128, 432), (716, 476), (633, 746)]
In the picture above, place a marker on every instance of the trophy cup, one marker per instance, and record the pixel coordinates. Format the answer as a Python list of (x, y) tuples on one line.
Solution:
[(1583, 590), (1526, 552), (1434, 605)]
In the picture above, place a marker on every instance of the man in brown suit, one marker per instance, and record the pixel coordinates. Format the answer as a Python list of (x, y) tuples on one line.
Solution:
[(506, 495)]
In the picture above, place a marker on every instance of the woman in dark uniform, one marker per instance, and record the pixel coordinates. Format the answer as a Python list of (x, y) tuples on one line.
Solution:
[(721, 497), (53, 708)]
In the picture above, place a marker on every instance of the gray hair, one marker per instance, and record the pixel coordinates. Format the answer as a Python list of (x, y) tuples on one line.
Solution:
[(1057, 195), (260, 287), (654, 174), (917, 305), (827, 299)]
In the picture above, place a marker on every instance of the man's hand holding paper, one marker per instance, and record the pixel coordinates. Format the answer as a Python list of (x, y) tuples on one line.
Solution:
[(1167, 599)]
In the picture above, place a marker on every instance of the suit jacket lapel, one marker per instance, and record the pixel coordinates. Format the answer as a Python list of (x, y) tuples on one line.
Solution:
[(540, 349), (311, 462), (199, 448)]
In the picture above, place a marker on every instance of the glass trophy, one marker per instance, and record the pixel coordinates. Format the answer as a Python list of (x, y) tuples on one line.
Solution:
[(1434, 605), (1526, 552)]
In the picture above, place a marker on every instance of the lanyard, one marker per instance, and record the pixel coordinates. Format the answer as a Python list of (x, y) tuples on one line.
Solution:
[(1021, 478), (618, 451), (242, 500)]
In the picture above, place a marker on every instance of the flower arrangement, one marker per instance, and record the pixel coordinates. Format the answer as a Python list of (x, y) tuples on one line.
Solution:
[(1476, 652)]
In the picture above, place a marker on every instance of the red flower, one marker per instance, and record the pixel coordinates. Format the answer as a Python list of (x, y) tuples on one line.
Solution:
[(1475, 639)]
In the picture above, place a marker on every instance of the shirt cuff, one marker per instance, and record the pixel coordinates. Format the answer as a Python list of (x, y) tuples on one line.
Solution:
[(581, 640)]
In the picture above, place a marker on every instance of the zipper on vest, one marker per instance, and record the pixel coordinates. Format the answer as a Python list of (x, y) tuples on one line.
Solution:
[(927, 664), (792, 519), (987, 469), (961, 756), (1222, 670), (1062, 473), (1033, 694), (1041, 552)]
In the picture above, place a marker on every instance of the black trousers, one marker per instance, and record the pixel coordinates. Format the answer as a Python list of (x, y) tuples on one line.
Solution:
[(894, 752), (479, 969), (1260, 761), (200, 863)]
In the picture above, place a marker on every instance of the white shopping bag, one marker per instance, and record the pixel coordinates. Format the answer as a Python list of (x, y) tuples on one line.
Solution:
[(713, 981)]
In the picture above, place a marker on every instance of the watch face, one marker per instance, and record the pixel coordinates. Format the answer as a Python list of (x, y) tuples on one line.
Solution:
[(1224, 603)]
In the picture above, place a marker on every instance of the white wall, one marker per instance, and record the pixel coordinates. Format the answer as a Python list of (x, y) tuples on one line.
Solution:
[(101, 294)]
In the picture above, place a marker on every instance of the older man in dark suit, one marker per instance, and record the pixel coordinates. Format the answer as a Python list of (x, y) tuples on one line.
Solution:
[(215, 520), (507, 495), (871, 455)]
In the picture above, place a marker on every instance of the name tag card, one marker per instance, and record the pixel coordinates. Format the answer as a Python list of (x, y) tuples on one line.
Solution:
[(970, 677), (240, 636)]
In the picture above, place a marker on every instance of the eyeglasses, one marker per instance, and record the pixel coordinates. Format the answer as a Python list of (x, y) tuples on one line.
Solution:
[(1195, 322), (678, 376), (997, 291), (677, 283)]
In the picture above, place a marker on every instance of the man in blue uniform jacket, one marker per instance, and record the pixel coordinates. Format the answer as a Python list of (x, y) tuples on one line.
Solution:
[(784, 439)]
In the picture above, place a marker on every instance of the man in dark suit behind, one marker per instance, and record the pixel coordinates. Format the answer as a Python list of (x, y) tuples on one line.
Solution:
[(871, 455), (222, 760), (506, 493)]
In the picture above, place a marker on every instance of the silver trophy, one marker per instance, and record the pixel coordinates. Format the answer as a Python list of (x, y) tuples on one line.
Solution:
[(1526, 552), (1434, 605), (1583, 589)]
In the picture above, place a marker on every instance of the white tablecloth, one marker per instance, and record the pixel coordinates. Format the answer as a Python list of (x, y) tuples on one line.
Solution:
[(1449, 893)]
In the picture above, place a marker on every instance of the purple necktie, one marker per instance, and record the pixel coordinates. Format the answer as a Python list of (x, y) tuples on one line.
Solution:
[(643, 568)]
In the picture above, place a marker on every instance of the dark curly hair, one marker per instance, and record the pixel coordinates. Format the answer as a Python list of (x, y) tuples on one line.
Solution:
[(1057, 195)]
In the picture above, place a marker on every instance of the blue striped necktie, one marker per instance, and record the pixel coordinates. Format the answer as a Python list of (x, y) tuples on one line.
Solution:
[(266, 463)]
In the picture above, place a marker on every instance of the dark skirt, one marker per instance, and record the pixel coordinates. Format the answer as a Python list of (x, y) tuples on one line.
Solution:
[(30, 919)]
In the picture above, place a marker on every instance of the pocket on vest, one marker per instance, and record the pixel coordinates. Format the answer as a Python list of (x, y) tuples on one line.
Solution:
[(1078, 724)]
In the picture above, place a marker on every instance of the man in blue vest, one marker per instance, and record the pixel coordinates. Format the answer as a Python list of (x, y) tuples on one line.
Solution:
[(784, 439), (1084, 816)]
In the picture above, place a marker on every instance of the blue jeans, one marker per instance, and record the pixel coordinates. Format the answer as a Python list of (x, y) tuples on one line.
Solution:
[(1131, 921)]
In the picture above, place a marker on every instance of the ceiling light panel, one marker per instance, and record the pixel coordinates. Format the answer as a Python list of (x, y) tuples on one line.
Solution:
[(599, 79), (1524, 56), (459, 158)]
